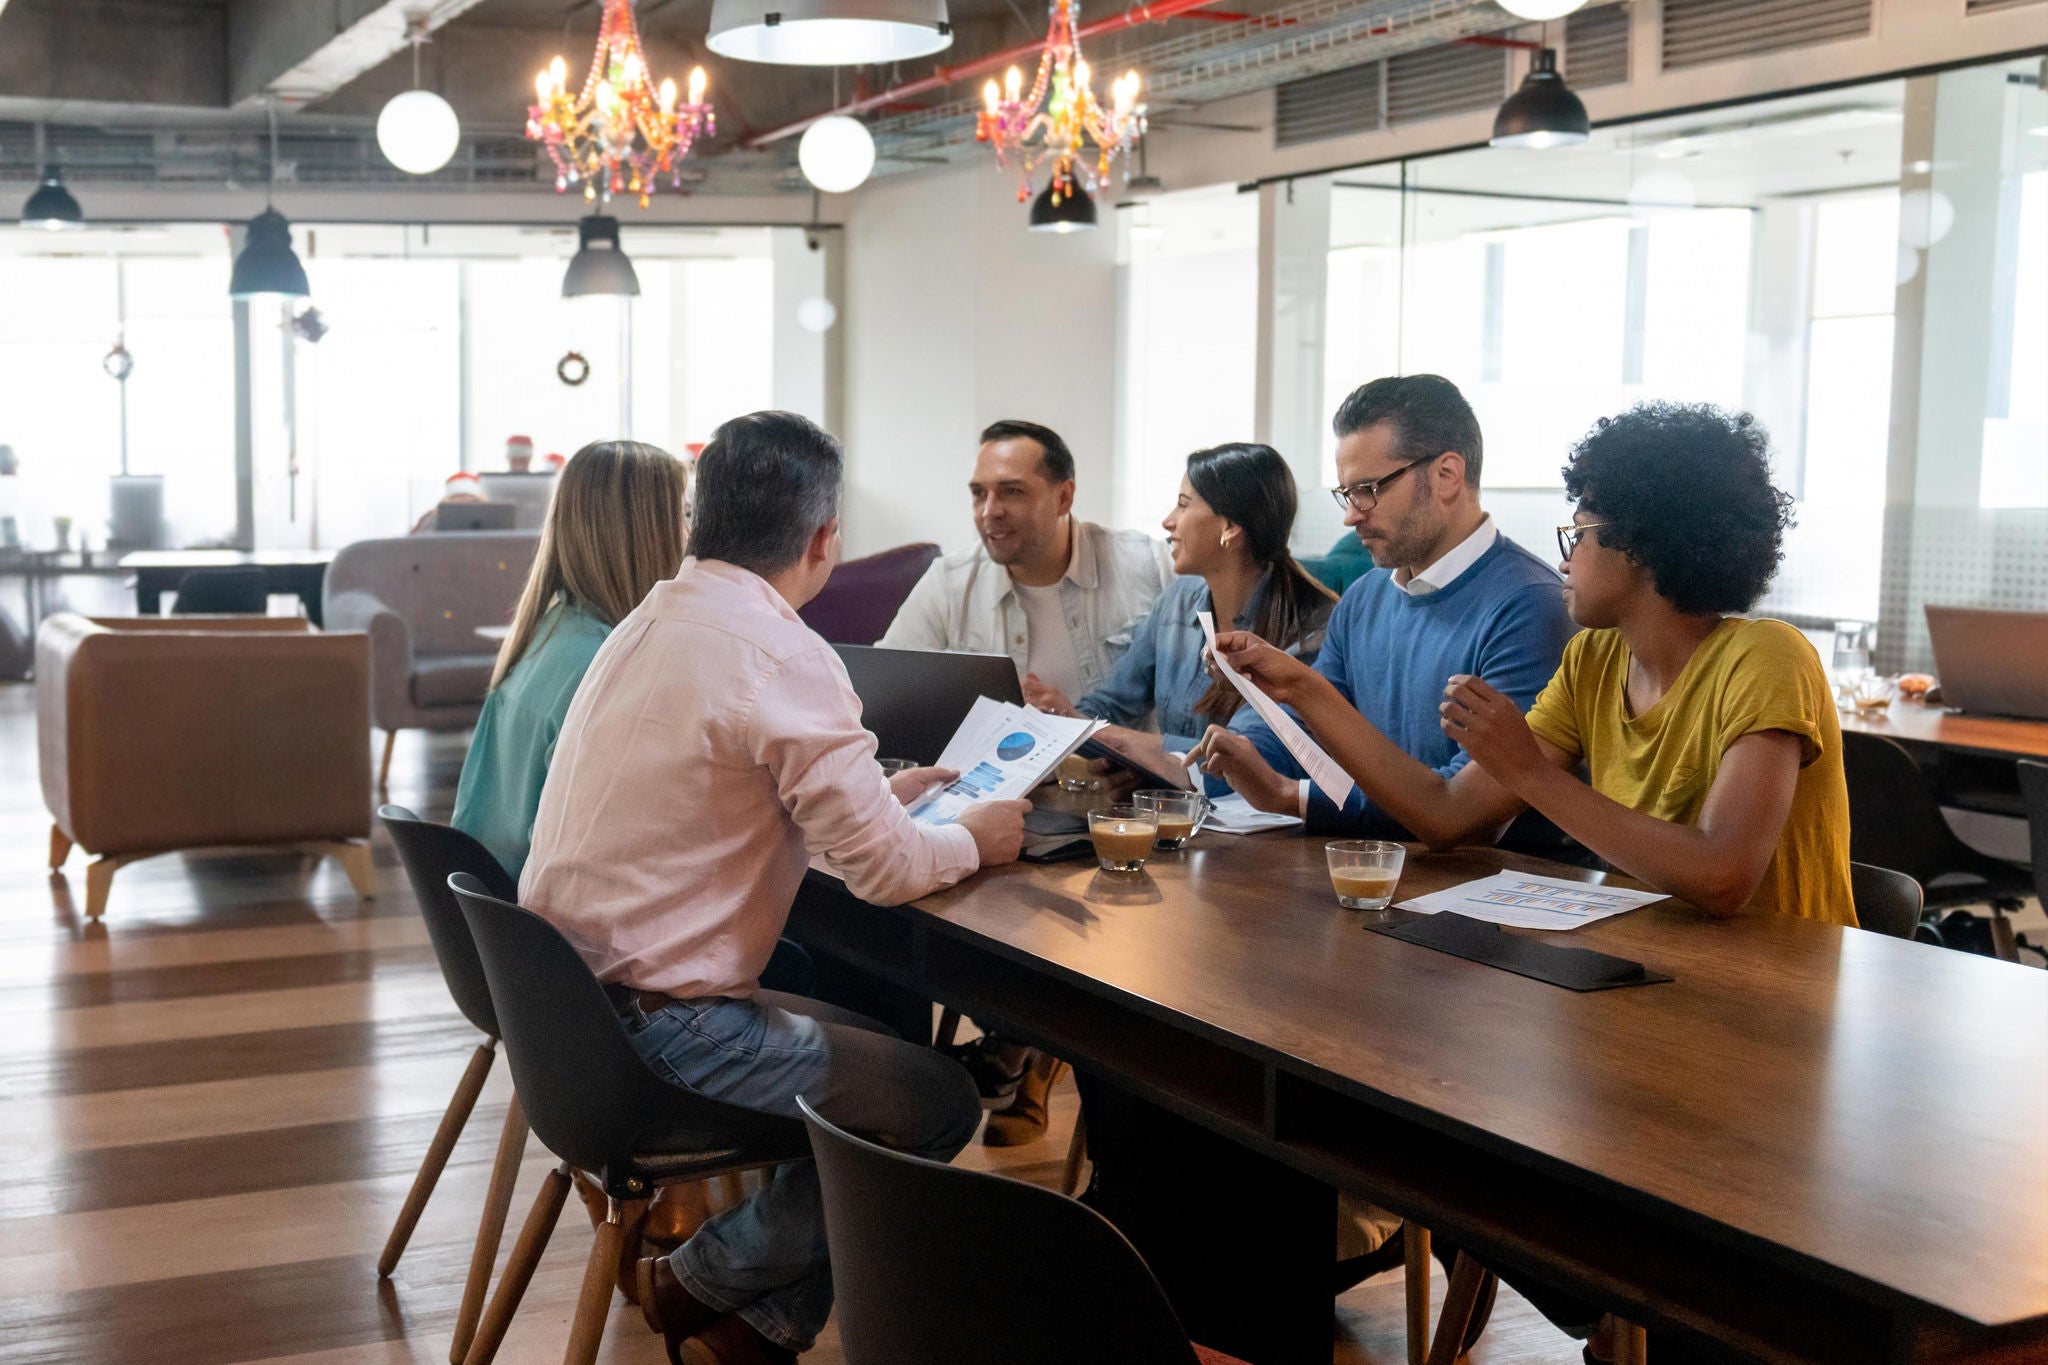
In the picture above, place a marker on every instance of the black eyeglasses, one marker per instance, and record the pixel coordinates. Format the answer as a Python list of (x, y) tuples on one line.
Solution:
[(1568, 537), (1363, 497)]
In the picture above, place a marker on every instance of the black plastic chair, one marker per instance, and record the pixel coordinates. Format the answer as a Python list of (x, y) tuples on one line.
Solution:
[(222, 592), (597, 1106), (2034, 794), (1887, 902), (1895, 821), (934, 1265), (432, 853)]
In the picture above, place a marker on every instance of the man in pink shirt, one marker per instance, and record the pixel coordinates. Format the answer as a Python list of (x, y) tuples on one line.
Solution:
[(713, 749)]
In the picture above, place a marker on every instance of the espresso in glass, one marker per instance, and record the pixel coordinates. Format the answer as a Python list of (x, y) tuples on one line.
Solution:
[(1364, 872), (1122, 836), (1178, 813)]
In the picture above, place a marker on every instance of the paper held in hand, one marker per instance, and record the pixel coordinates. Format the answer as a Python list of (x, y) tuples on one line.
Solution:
[(1531, 902), (1001, 751), (1322, 770)]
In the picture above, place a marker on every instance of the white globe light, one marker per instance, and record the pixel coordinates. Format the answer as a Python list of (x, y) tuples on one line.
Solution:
[(1925, 217), (816, 315), (418, 132), (836, 153), (1539, 9)]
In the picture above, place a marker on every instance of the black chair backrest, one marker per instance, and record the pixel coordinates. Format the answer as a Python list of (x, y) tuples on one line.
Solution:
[(2034, 793), (432, 854), (1894, 819), (222, 592), (934, 1265), (586, 1093), (1887, 902)]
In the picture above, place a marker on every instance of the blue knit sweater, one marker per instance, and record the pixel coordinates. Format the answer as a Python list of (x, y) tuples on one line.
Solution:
[(1390, 654)]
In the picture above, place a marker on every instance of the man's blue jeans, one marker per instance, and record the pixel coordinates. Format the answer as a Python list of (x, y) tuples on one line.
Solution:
[(765, 1259)]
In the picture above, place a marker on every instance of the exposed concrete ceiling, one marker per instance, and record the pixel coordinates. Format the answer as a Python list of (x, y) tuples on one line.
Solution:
[(179, 90)]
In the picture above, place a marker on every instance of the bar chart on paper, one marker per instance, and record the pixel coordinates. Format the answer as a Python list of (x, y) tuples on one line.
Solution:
[(1528, 902)]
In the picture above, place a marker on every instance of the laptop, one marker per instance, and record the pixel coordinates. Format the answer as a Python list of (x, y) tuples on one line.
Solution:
[(1992, 663), (912, 700), (474, 516)]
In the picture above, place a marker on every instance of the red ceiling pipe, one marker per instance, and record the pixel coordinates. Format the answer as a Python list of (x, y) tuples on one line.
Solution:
[(1495, 40), (1156, 12)]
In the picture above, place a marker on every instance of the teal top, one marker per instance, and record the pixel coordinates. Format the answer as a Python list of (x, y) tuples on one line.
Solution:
[(499, 793)]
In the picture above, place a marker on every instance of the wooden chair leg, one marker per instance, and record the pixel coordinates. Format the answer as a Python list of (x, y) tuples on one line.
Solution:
[(1077, 1152), (600, 1277), (1631, 1344), (60, 848), (949, 1028), (2003, 941), (1415, 1253), (384, 768), (491, 1228), (99, 881), (1467, 1277), (452, 1119), (355, 860), (533, 1240)]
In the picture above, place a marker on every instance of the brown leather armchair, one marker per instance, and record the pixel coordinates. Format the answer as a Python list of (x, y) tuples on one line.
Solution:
[(166, 733)]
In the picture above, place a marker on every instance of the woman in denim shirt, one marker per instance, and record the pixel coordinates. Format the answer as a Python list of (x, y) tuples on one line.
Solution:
[(1228, 533)]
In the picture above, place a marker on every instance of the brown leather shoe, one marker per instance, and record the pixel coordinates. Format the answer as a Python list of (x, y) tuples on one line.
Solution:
[(1024, 1121), (672, 1311), (732, 1340)]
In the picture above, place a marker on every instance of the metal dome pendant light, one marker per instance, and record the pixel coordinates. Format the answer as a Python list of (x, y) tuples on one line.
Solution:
[(599, 265), (267, 263), (1071, 211), (828, 32), (1544, 112), (51, 206)]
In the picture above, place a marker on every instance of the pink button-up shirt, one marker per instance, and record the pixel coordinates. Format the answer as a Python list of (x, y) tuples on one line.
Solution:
[(713, 747)]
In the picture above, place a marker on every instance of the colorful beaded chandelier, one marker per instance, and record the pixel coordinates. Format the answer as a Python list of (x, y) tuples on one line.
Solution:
[(1054, 118), (619, 134)]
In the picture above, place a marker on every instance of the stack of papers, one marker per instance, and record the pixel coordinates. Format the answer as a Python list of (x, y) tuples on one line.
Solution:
[(1001, 751), (1233, 814), (1320, 767), (1530, 902)]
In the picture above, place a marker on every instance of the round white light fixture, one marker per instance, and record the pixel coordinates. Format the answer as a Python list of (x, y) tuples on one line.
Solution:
[(1539, 9), (828, 32), (1925, 217), (836, 153), (418, 132), (816, 315)]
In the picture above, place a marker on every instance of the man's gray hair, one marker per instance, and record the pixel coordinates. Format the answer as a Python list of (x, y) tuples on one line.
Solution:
[(766, 483)]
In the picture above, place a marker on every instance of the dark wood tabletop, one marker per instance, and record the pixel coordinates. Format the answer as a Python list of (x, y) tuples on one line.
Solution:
[(1868, 1111), (1917, 723)]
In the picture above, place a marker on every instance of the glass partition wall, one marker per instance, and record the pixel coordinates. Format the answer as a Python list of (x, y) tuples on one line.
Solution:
[(1864, 269)]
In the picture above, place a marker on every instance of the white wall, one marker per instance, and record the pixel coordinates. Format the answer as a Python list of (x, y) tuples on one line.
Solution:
[(955, 316)]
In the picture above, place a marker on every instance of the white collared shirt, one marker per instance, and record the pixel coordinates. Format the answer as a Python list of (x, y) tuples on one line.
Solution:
[(1449, 565), (967, 601)]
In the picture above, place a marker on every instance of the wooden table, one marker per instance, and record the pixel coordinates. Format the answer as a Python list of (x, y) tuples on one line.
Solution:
[(1816, 1144), (1913, 722), (300, 572)]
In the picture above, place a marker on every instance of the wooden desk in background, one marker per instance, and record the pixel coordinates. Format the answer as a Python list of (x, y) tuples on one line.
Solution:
[(300, 572), (1816, 1145), (1968, 758)]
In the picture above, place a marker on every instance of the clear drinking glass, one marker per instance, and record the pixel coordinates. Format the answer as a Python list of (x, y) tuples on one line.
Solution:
[(1122, 836), (893, 766), (1364, 872), (1077, 776), (1873, 695), (1178, 814)]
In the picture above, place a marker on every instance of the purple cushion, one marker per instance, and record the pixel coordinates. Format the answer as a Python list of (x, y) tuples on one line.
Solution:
[(863, 595)]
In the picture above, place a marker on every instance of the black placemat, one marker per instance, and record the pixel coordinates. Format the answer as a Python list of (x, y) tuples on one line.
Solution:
[(1575, 969)]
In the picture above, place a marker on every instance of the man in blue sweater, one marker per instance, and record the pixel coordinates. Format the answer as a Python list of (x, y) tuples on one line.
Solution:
[(1450, 595)]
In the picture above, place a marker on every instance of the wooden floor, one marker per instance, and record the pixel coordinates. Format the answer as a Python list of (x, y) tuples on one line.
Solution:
[(211, 1108)]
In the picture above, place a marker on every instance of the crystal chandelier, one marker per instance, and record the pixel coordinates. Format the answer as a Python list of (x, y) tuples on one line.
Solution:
[(1059, 113), (618, 134)]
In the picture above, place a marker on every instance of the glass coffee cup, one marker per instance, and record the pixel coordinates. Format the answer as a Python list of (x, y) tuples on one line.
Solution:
[(1122, 836), (1364, 872), (1178, 814), (1077, 775)]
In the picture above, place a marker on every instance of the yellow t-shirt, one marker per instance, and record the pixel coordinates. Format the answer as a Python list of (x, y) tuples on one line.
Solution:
[(1745, 677)]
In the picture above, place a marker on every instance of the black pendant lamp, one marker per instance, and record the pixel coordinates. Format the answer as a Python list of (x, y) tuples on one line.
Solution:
[(1544, 112), (268, 265), (599, 265), (1072, 211), (52, 206)]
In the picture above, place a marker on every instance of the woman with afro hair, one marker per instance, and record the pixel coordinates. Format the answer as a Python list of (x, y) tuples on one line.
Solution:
[(1711, 741)]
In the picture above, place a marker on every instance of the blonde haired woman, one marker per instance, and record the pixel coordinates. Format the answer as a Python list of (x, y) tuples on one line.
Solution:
[(614, 530)]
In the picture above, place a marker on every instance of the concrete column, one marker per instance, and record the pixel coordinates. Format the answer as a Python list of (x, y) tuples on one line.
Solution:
[(1287, 411)]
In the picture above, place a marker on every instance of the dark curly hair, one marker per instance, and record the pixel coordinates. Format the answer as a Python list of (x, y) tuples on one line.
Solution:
[(1685, 490)]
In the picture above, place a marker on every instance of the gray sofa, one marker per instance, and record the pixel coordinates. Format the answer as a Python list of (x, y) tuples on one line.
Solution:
[(421, 599)]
